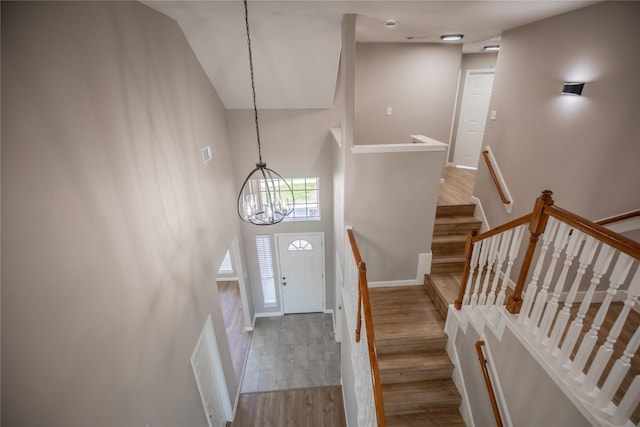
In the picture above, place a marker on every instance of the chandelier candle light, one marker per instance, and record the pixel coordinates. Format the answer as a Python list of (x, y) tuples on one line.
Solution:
[(265, 197)]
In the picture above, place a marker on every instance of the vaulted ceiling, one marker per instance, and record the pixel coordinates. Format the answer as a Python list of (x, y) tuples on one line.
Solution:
[(296, 44)]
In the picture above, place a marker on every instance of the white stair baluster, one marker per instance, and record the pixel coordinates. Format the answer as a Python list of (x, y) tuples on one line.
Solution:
[(606, 350), (618, 276), (481, 265), (472, 267), (551, 308), (516, 240), (532, 288), (559, 243), (586, 257), (505, 238), (491, 259), (628, 403), (600, 267), (619, 370)]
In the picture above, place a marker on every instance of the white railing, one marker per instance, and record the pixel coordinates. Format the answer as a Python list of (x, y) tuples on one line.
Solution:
[(577, 265)]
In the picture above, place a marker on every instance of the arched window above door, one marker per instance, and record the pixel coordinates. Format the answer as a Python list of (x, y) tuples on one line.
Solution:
[(300, 245)]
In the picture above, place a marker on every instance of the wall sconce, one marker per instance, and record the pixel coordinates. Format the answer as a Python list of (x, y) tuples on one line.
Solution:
[(572, 88)]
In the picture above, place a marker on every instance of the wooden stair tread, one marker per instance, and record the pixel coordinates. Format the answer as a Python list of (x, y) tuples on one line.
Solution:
[(432, 393), (447, 285), (455, 238), (447, 258), (415, 361), (448, 418)]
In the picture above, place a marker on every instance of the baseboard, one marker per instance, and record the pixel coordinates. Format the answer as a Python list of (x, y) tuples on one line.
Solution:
[(424, 266), (394, 283), (227, 279), (268, 314), (479, 213)]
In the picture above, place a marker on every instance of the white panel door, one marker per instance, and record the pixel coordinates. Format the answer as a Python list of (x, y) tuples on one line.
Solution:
[(301, 258), (207, 369), (473, 117)]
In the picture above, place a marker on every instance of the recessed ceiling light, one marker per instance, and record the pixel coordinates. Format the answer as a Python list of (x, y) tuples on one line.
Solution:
[(451, 37), (390, 23), (491, 48)]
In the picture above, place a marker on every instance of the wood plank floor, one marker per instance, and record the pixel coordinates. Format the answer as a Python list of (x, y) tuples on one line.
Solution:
[(457, 187), (309, 407), (404, 312), (239, 340)]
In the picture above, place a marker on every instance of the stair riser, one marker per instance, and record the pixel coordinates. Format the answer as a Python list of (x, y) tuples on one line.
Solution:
[(446, 267), (455, 210), (437, 299), (448, 248), (411, 376), (455, 229)]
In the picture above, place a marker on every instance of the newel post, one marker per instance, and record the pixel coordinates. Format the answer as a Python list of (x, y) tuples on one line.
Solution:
[(536, 227), (468, 251)]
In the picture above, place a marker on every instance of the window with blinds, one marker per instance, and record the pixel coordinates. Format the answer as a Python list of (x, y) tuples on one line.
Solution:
[(265, 261)]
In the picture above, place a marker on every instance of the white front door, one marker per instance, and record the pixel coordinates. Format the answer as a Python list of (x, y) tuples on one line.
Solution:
[(473, 117), (301, 258)]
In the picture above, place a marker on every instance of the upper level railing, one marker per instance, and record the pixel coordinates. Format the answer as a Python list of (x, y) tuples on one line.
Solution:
[(621, 217), (364, 354), (544, 297)]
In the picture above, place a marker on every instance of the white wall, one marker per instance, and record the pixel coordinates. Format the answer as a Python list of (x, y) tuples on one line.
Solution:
[(113, 229), (585, 148)]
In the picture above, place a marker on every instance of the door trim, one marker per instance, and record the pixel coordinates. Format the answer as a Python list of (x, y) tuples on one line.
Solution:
[(280, 290)]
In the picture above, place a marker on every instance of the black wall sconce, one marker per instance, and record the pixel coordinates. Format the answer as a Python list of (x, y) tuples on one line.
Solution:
[(572, 88)]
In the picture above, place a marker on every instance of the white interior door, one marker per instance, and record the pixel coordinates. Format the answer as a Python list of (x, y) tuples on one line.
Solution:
[(207, 369), (473, 117), (301, 258)]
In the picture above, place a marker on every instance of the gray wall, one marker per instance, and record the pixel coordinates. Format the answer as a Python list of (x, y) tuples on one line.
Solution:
[(295, 143), (390, 200), (470, 61), (417, 80), (585, 148), (113, 229)]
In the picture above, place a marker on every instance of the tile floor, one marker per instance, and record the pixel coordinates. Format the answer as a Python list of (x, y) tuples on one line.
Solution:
[(292, 351)]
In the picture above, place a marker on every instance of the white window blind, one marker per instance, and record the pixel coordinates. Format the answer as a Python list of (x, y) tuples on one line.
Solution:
[(226, 267), (265, 261)]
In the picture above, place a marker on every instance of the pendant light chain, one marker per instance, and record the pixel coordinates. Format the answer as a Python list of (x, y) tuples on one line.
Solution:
[(253, 85)]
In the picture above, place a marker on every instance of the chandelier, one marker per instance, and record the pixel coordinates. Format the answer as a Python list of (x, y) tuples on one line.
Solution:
[(265, 197)]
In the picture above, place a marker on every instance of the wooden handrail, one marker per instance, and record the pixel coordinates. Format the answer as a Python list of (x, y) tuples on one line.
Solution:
[(504, 227), (494, 177), (364, 302), (620, 217), (487, 382), (597, 231)]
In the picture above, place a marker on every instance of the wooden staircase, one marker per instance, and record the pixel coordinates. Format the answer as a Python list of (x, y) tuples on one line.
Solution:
[(452, 225), (415, 369)]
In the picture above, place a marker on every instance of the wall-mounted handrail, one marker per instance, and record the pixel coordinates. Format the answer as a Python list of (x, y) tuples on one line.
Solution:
[(621, 217), (494, 177), (487, 382), (364, 310)]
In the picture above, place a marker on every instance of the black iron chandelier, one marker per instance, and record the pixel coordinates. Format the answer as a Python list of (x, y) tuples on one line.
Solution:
[(265, 197)]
